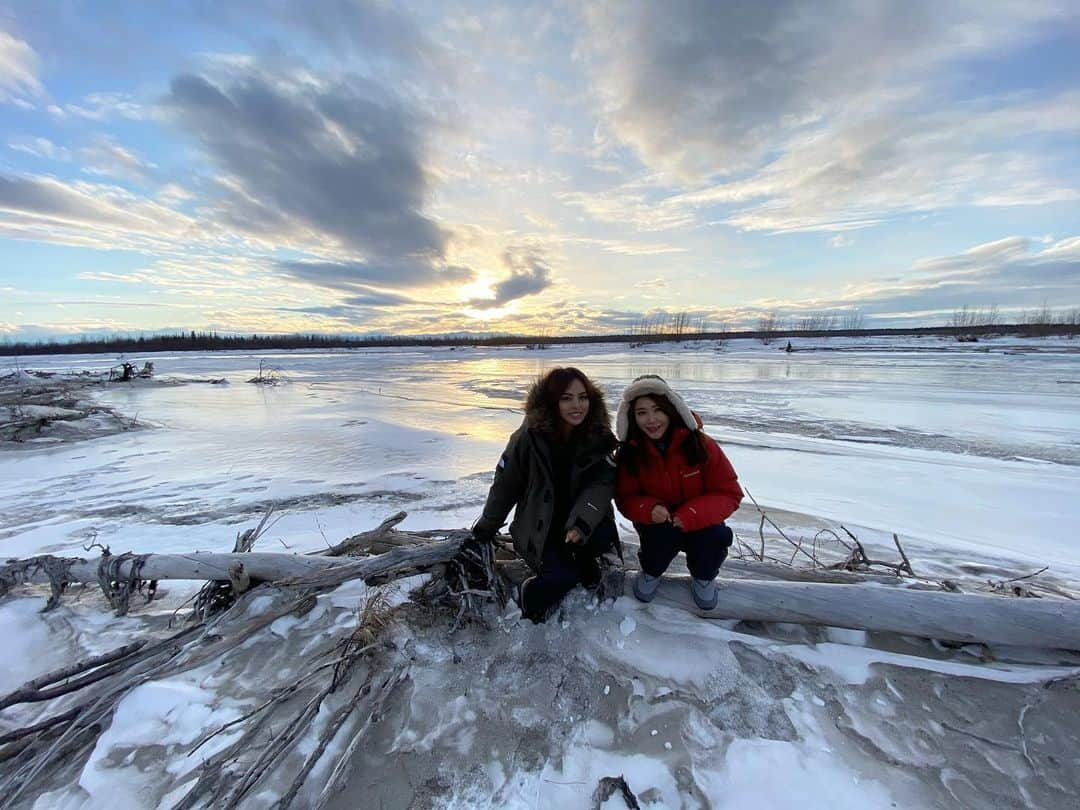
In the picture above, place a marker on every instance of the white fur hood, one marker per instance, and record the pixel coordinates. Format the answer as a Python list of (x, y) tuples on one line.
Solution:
[(643, 386)]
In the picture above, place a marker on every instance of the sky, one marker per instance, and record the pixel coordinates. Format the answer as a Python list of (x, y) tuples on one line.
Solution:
[(348, 166)]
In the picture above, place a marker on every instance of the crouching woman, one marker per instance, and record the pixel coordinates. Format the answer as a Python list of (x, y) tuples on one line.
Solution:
[(557, 470), (676, 485)]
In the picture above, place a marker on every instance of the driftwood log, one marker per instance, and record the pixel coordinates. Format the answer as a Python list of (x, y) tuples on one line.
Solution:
[(871, 606), (942, 615), (83, 697), (348, 680)]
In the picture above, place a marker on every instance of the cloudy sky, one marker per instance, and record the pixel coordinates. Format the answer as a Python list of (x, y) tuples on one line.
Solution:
[(347, 166)]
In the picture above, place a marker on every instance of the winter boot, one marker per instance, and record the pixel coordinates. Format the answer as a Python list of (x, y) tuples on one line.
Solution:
[(517, 593), (537, 614), (645, 586), (704, 593), (588, 572)]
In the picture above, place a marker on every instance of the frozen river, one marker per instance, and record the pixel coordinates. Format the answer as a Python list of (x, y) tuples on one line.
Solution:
[(971, 454), (950, 445)]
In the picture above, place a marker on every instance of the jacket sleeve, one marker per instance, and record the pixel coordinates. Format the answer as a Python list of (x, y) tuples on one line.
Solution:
[(594, 501), (511, 474), (630, 497), (719, 498)]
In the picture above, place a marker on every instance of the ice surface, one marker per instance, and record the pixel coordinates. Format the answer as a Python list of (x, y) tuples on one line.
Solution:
[(970, 453), (974, 448)]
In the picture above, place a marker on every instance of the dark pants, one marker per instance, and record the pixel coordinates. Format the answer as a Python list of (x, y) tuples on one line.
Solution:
[(705, 549), (563, 567)]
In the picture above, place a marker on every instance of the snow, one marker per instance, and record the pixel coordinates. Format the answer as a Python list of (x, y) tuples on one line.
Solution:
[(28, 653), (767, 773), (857, 666), (970, 453)]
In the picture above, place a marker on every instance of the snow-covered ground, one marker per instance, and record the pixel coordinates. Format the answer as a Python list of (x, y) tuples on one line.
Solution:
[(969, 452)]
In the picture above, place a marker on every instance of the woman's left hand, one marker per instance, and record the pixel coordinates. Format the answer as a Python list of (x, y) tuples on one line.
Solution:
[(573, 536), (677, 523)]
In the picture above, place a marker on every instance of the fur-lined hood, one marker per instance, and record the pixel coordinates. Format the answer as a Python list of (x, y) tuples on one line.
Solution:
[(643, 386), (541, 418)]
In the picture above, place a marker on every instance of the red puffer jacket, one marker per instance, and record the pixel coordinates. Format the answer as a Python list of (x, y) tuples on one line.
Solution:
[(700, 496)]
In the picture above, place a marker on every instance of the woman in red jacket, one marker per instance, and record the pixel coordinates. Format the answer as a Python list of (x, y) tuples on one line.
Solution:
[(677, 486)]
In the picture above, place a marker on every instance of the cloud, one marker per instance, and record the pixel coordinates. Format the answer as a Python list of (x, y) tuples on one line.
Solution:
[(700, 87), (783, 118), (40, 147), (630, 248), (351, 276), (118, 278), (630, 204), (330, 169), (103, 107), (367, 27), (859, 170), (94, 215), (841, 241), (108, 158), (50, 198), (529, 275), (377, 298), (342, 161), (360, 308), (1009, 273), (18, 69)]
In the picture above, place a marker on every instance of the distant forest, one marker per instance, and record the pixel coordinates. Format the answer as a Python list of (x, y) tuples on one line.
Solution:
[(209, 341)]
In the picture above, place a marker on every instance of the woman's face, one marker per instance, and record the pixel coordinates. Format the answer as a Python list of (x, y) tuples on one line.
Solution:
[(652, 421), (574, 404)]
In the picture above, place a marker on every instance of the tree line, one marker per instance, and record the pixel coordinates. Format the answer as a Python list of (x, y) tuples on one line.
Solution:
[(965, 323)]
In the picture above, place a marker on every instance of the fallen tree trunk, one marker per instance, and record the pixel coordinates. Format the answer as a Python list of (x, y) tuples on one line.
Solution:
[(97, 686), (753, 569), (961, 617), (211, 565), (291, 569), (464, 575), (872, 606)]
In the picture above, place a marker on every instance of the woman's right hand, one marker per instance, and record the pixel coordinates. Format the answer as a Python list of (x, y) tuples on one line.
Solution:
[(660, 514)]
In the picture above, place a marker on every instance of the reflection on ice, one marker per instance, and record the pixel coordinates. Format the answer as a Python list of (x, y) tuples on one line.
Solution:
[(940, 442), (971, 456)]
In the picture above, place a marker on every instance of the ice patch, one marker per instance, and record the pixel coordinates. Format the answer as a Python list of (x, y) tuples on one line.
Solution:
[(842, 635), (853, 664), (584, 767), (29, 652), (151, 719), (768, 773)]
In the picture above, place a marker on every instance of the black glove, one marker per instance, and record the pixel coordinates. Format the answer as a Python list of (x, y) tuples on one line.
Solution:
[(483, 535)]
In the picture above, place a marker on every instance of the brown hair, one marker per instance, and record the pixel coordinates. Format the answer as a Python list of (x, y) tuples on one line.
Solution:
[(542, 403)]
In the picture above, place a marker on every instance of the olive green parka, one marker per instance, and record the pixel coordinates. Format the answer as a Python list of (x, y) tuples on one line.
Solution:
[(523, 478)]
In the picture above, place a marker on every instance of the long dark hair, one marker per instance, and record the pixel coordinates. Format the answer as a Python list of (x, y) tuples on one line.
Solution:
[(542, 402), (632, 451)]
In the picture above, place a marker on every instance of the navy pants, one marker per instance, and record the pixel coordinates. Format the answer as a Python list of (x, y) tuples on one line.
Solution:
[(705, 549), (563, 567)]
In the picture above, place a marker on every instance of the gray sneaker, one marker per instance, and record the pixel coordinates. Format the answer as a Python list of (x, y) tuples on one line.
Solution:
[(704, 593), (645, 586)]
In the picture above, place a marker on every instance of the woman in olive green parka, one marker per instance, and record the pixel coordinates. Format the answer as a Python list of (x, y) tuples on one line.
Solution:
[(557, 470)]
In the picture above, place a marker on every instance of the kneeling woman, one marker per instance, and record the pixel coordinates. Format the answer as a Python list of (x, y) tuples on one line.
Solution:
[(677, 486), (557, 470)]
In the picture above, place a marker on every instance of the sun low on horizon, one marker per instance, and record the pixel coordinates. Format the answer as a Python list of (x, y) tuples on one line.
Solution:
[(361, 167)]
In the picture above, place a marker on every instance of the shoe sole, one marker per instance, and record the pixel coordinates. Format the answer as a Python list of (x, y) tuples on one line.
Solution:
[(705, 605), (642, 597)]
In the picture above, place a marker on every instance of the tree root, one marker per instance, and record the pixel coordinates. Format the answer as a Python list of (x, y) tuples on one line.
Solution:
[(96, 686), (56, 569), (607, 788), (117, 587)]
